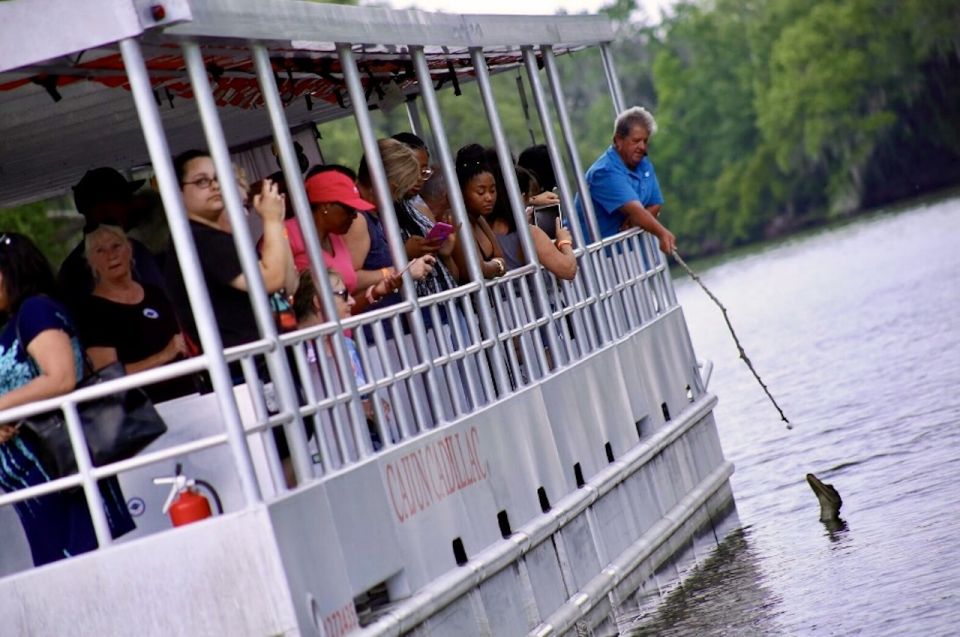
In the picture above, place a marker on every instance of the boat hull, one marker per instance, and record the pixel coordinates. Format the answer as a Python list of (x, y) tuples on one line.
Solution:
[(563, 506)]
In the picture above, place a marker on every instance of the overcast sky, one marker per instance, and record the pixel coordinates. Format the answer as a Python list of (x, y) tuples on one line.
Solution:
[(549, 7)]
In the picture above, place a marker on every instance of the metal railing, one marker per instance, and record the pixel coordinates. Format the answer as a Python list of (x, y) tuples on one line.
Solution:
[(419, 364)]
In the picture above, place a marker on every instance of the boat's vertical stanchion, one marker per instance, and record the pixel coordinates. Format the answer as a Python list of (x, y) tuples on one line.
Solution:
[(509, 175), (101, 527), (613, 80), (190, 265), (388, 216), (487, 322), (301, 207), (603, 276), (413, 116), (566, 197), (616, 94), (256, 290)]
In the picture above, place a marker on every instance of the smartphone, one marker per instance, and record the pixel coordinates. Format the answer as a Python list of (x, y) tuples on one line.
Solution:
[(546, 217), (439, 232)]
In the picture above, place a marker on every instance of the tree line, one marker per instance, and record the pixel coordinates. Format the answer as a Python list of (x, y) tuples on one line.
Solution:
[(772, 114)]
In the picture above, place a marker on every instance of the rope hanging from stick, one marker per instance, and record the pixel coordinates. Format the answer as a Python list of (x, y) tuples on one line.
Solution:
[(743, 353)]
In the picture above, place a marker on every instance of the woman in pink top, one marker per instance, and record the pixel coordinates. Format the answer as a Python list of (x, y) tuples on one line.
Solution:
[(334, 202)]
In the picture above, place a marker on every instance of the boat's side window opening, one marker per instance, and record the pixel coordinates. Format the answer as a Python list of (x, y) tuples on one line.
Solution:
[(578, 475), (665, 410), (608, 448), (503, 521), (459, 552), (544, 500)]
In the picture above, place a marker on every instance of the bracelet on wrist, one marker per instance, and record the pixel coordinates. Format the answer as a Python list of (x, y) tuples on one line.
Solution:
[(563, 242)]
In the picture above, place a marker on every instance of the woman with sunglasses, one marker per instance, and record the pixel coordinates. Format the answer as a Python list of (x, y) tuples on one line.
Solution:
[(40, 358), (309, 311)]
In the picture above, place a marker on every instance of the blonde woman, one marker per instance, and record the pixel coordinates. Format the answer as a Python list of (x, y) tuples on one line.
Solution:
[(367, 239), (127, 321)]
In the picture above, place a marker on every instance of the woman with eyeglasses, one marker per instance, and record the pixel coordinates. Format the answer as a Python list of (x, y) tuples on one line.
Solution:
[(226, 282), (40, 358)]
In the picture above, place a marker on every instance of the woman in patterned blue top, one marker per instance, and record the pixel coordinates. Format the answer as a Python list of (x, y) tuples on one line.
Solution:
[(47, 363)]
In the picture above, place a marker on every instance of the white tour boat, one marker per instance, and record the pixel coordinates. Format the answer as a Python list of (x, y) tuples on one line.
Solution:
[(547, 460)]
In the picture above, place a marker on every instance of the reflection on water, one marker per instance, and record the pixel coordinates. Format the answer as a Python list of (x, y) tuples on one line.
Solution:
[(724, 596), (856, 332)]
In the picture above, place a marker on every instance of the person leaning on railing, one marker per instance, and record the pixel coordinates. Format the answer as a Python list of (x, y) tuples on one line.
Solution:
[(479, 188), (623, 184), (41, 357), (556, 257), (367, 237)]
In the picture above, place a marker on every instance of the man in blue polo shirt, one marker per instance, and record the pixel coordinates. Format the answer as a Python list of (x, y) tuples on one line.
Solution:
[(623, 184)]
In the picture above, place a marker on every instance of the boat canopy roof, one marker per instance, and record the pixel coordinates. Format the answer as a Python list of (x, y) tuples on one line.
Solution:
[(65, 97)]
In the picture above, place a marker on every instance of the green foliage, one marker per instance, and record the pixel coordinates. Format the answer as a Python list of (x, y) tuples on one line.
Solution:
[(776, 113), (52, 235)]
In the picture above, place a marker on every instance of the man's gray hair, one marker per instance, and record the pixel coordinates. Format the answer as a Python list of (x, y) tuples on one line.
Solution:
[(634, 116), (435, 187)]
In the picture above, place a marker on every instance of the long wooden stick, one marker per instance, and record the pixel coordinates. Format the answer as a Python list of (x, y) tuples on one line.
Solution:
[(743, 353)]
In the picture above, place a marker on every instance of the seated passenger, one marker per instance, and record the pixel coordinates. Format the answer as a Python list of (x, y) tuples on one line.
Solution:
[(536, 159), (334, 204), (309, 310), (434, 195), (219, 260), (416, 221), (40, 357), (533, 193), (479, 188), (367, 239), (104, 196), (556, 256), (128, 321)]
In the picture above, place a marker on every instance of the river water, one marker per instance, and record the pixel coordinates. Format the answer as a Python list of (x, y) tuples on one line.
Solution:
[(856, 331)]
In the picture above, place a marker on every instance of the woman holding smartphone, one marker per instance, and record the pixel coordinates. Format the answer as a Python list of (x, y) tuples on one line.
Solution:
[(421, 235)]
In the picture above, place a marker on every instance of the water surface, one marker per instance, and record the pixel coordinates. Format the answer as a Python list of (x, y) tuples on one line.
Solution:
[(856, 331)]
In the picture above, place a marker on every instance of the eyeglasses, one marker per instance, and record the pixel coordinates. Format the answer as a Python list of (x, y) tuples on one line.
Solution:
[(202, 182), (343, 294), (5, 239), (426, 172)]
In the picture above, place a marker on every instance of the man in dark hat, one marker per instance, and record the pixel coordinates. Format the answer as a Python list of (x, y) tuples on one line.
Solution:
[(104, 196)]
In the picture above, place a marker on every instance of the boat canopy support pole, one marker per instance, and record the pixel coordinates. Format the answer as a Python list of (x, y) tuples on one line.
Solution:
[(613, 81), (301, 207), (455, 196), (560, 172), (388, 216), (568, 288), (416, 124), (509, 175), (101, 527), (604, 278), (182, 240), (256, 290)]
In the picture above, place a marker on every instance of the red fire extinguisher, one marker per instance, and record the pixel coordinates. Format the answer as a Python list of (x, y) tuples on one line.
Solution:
[(186, 504)]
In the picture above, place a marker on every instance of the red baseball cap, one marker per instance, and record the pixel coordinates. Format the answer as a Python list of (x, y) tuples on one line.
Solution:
[(335, 187)]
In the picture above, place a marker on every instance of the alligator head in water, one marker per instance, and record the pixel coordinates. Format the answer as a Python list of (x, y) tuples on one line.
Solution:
[(830, 501)]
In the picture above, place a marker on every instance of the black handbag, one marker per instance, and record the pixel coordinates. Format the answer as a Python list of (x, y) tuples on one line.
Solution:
[(116, 427)]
